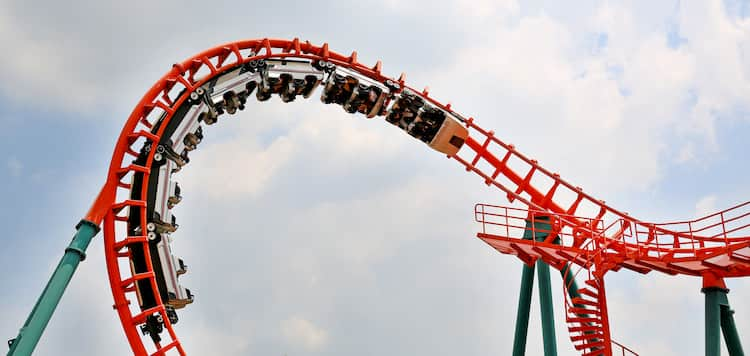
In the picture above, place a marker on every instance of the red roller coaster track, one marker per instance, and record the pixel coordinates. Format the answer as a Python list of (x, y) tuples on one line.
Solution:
[(714, 247)]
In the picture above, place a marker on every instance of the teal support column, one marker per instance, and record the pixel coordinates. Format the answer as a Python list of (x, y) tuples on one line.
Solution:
[(728, 327), (548, 315), (731, 336), (532, 232), (32, 329), (522, 315), (541, 223), (713, 319)]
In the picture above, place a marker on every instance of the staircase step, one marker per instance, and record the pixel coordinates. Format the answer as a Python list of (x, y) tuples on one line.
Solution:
[(583, 320), (593, 283), (593, 345), (591, 336), (583, 301), (599, 352), (588, 292), (584, 328), (583, 311)]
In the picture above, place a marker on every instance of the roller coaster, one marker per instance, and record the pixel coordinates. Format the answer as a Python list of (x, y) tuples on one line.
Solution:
[(560, 225)]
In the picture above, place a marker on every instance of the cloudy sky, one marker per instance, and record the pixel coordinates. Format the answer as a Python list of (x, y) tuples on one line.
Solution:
[(312, 232)]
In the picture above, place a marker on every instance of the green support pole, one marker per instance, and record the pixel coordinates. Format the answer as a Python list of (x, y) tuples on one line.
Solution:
[(713, 319), (731, 336), (548, 315), (541, 223), (524, 298), (32, 329), (522, 316), (545, 295)]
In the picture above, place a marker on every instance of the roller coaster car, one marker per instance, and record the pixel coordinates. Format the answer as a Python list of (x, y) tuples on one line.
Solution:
[(268, 87), (232, 102), (231, 89), (161, 225), (441, 130), (201, 98), (177, 295), (192, 139), (188, 133), (174, 195), (168, 194), (209, 117), (296, 86), (167, 270), (181, 266), (369, 97), (366, 100), (167, 267), (339, 89), (450, 135), (226, 93), (405, 109), (332, 88), (427, 124), (288, 78)]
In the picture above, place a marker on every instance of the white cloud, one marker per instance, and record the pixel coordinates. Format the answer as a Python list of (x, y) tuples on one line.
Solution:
[(705, 206), (15, 167), (269, 270), (722, 79), (204, 338), (478, 9), (39, 71), (609, 115), (302, 332), (245, 168), (326, 136)]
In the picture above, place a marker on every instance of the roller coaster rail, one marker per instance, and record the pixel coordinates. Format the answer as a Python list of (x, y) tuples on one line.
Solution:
[(555, 229)]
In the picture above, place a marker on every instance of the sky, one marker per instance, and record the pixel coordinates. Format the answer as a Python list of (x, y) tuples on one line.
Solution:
[(309, 231)]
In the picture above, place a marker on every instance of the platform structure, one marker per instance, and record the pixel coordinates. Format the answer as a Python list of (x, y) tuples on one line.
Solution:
[(586, 248)]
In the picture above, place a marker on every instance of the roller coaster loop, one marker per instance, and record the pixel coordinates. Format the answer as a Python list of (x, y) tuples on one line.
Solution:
[(561, 226)]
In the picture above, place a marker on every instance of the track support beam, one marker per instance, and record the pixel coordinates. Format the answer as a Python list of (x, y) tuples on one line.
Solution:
[(40, 315), (720, 319), (713, 320), (524, 306), (731, 336), (547, 309), (545, 295)]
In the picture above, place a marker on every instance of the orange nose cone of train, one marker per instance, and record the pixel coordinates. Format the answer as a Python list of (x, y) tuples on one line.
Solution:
[(450, 138)]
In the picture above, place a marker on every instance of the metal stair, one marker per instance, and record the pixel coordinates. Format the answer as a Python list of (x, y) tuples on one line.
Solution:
[(586, 317)]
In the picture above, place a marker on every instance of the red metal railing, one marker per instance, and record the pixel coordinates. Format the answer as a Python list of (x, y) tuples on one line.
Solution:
[(723, 232), (623, 350)]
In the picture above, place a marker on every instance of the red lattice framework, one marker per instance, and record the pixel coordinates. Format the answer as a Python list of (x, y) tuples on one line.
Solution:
[(498, 163)]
